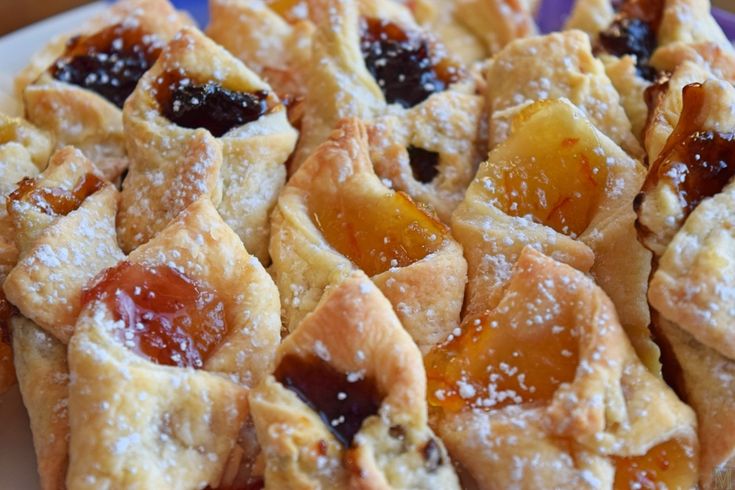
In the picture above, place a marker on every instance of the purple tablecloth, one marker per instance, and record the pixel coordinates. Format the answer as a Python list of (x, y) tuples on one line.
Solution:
[(551, 15)]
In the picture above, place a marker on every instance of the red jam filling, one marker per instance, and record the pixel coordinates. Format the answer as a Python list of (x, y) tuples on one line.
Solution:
[(167, 317)]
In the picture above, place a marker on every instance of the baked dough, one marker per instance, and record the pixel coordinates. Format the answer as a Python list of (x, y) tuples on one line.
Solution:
[(60, 250), (561, 186), (381, 439), (516, 79), (24, 151), (241, 171), (336, 205), (574, 407), (173, 426), (271, 38), (497, 22), (43, 376), (81, 117), (445, 122)]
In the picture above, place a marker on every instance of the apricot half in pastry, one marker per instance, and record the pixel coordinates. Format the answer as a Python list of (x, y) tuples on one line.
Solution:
[(170, 340), (345, 406), (552, 359), (561, 186), (335, 216)]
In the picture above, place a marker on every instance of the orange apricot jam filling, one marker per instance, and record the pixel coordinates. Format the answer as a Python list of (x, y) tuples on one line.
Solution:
[(501, 358), (166, 316), (55, 201), (391, 231), (667, 466), (560, 187)]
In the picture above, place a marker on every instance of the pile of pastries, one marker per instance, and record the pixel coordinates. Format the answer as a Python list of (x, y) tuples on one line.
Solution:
[(368, 244)]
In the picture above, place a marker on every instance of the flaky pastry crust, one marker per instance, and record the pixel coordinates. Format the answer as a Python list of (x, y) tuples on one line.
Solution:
[(354, 331), (612, 408), (80, 117), (493, 234), (173, 426), (55, 264), (171, 166), (304, 262)]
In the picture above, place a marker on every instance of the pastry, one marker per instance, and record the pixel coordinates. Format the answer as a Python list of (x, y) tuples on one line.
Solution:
[(24, 151), (372, 61), (43, 376), (167, 345), (558, 184), (345, 406), (545, 391), (335, 216), (272, 38), (516, 79), (64, 228), (638, 40), (79, 94), (684, 217), (497, 22), (200, 123)]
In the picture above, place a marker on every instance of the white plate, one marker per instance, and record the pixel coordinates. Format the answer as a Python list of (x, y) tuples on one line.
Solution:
[(17, 459)]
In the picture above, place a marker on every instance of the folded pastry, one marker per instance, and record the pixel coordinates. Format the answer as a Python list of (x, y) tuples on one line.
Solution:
[(335, 216), (706, 379), (560, 185), (272, 38), (443, 19), (637, 40), (64, 228), (685, 217), (79, 94), (545, 391), (200, 123), (24, 150), (497, 22), (370, 60), (516, 79), (43, 376), (345, 406), (666, 102), (165, 349)]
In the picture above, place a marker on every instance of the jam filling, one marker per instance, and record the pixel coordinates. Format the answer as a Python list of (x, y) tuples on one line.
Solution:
[(166, 317), (666, 466), (391, 231), (110, 62), (407, 66), (56, 201), (633, 32), (495, 363), (424, 164), (561, 188), (696, 164), (342, 401), (209, 105)]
